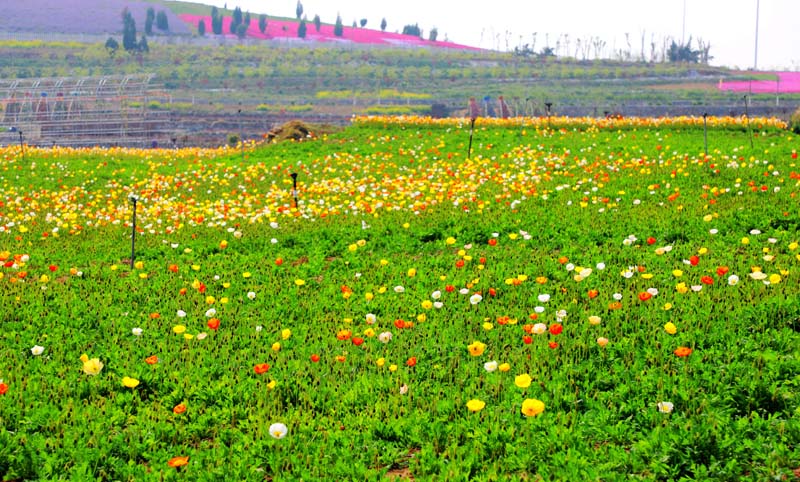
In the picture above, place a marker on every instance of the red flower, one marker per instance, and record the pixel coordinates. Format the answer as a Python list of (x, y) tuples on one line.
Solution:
[(53, 268), (694, 260), (493, 242), (492, 292), (556, 329), (593, 294), (178, 462), (182, 291), (553, 345), (460, 263), (400, 324), (173, 268), (722, 271), (261, 368), (683, 351), (527, 339), (278, 261), (644, 296), (151, 360), (179, 409), (213, 323), (412, 361), (651, 240), (315, 358), (707, 280), (449, 288), (201, 288), (357, 341), (533, 316), (482, 260), (3, 388)]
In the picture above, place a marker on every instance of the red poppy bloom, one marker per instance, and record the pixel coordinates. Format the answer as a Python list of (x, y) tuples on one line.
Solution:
[(399, 323), (357, 341), (553, 345), (492, 292), (213, 323), (154, 316), (707, 280), (644, 296), (179, 409), (53, 268), (593, 294), (182, 291), (533, 316), (563, 260), (449, 288), (615, 305), (278, 261), (527, 339), (261, 368), (151, 360), (315, 358), (493, 242), (178, 462), (482, 260), (201, 288), (694, 260), (411, 361), (341, 358), (460, 263), (173, 268), (3, 388), (651, 240), (343, 335), (722, 271), (556, 329), (683, 351)]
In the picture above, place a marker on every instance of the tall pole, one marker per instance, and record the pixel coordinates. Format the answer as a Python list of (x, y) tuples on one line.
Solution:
[(683, 30), (755, 61), (133, 199), (705, 132)]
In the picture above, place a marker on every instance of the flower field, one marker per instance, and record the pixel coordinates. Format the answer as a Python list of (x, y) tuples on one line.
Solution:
[(578, 300)]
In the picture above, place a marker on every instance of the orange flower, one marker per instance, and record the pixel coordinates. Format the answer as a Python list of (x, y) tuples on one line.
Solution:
[(173, 268), (343, 335), (592, 294), (154, 316), (644, 296), (213, 323), (261, 368), (151, 360), (411, 361), (179, 408), (615, 305), (683, 351), (178, 461)]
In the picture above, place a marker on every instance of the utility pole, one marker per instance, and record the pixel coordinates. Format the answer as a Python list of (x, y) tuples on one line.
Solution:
[(683, 30), (755, 62)]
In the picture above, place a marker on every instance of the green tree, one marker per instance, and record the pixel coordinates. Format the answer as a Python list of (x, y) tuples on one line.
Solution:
[(412, 30), (112, 46), (299, 9), (383, 24), (162, 22), (143, 46), (683, 53), (317, 22), (241, 30), (216, 21), (201, 27), (363, 22), (434, 33), (338, 28), (148, 22), (236, 20), (247, 19), (262, 23), (301, 29), (128, 31)]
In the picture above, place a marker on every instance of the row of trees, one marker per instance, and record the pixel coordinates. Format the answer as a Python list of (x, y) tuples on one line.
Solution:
[(129, 40), (160, 19)]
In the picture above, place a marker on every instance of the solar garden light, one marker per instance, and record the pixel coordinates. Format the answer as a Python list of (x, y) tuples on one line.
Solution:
[(133, 198), (294, 188), (548, 105)]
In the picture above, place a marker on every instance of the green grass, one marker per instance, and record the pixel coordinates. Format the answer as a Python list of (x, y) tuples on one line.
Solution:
[(532, 202)]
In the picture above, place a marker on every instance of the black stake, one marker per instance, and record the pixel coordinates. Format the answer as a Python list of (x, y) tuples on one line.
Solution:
[(294, 188), (548, 105), (133, 199), (705, 131), (747, 115), (471, 131)]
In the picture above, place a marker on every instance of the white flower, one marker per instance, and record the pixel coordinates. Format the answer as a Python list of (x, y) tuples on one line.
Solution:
[(25, 258), (733, 280), (653, 291), (627, 274), (371, 319), (665, 407), (464, 291), (772, 240), (137, 331), (251, 295), (697, 288), (538, 309), (273, 241), (475, 299), (561, 314), (436, 295), (399, 289), (543, 298), (601, 266), (438, 304), (758, 275), (490, 366), (259, 328), (385, 337), (201, 336), (713, 231), (273, 225), (569, 266), (755, 232), (539, 328), (585, 272), (181, 314), (211, 312), (37, 350), (617, 296), (278, 430), (237, 234), (403, 389)]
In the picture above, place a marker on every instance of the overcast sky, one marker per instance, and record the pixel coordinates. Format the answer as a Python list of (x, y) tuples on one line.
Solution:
[(729, 25)]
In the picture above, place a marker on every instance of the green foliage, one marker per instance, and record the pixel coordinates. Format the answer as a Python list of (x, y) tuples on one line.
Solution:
[(162, 22), (299, 10), (201, 27), (433, 34), (112, 46), (363, 22), (236, 20), (129, 42), (397, 109), (795, 121), (301, 29), (412, 30), (148, 23), (241, 30), (216, 21), (338, 28), (683, 53), (262, 23), (383, 24), (317, 23)]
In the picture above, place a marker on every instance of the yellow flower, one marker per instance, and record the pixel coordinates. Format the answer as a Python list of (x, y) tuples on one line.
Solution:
[(422, 317), (532, 407), (369, 333), (130, 382), (369, 296), (793, 246), (412, 272), (138, 265), (476, 348), (487, 326), (271, 384), (392, 368), (450, 240), (774, 279), (299, 282), (210, 300), (44, 278), (380, 362), (475, 405), (384, 262), (682, 288), (286, 333), (188, 336), (91, 366), (276, 346), (427, 304), (246, 274), (352, 248), (670, 328), (594, 320), (504, 367), (361, 243), (523, 381), (745, 240)]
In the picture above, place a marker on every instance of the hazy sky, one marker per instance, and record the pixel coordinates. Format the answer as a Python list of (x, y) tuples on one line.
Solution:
[(729, 25)]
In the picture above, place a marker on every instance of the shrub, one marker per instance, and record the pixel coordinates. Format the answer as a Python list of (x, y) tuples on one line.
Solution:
[(794, 122)]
